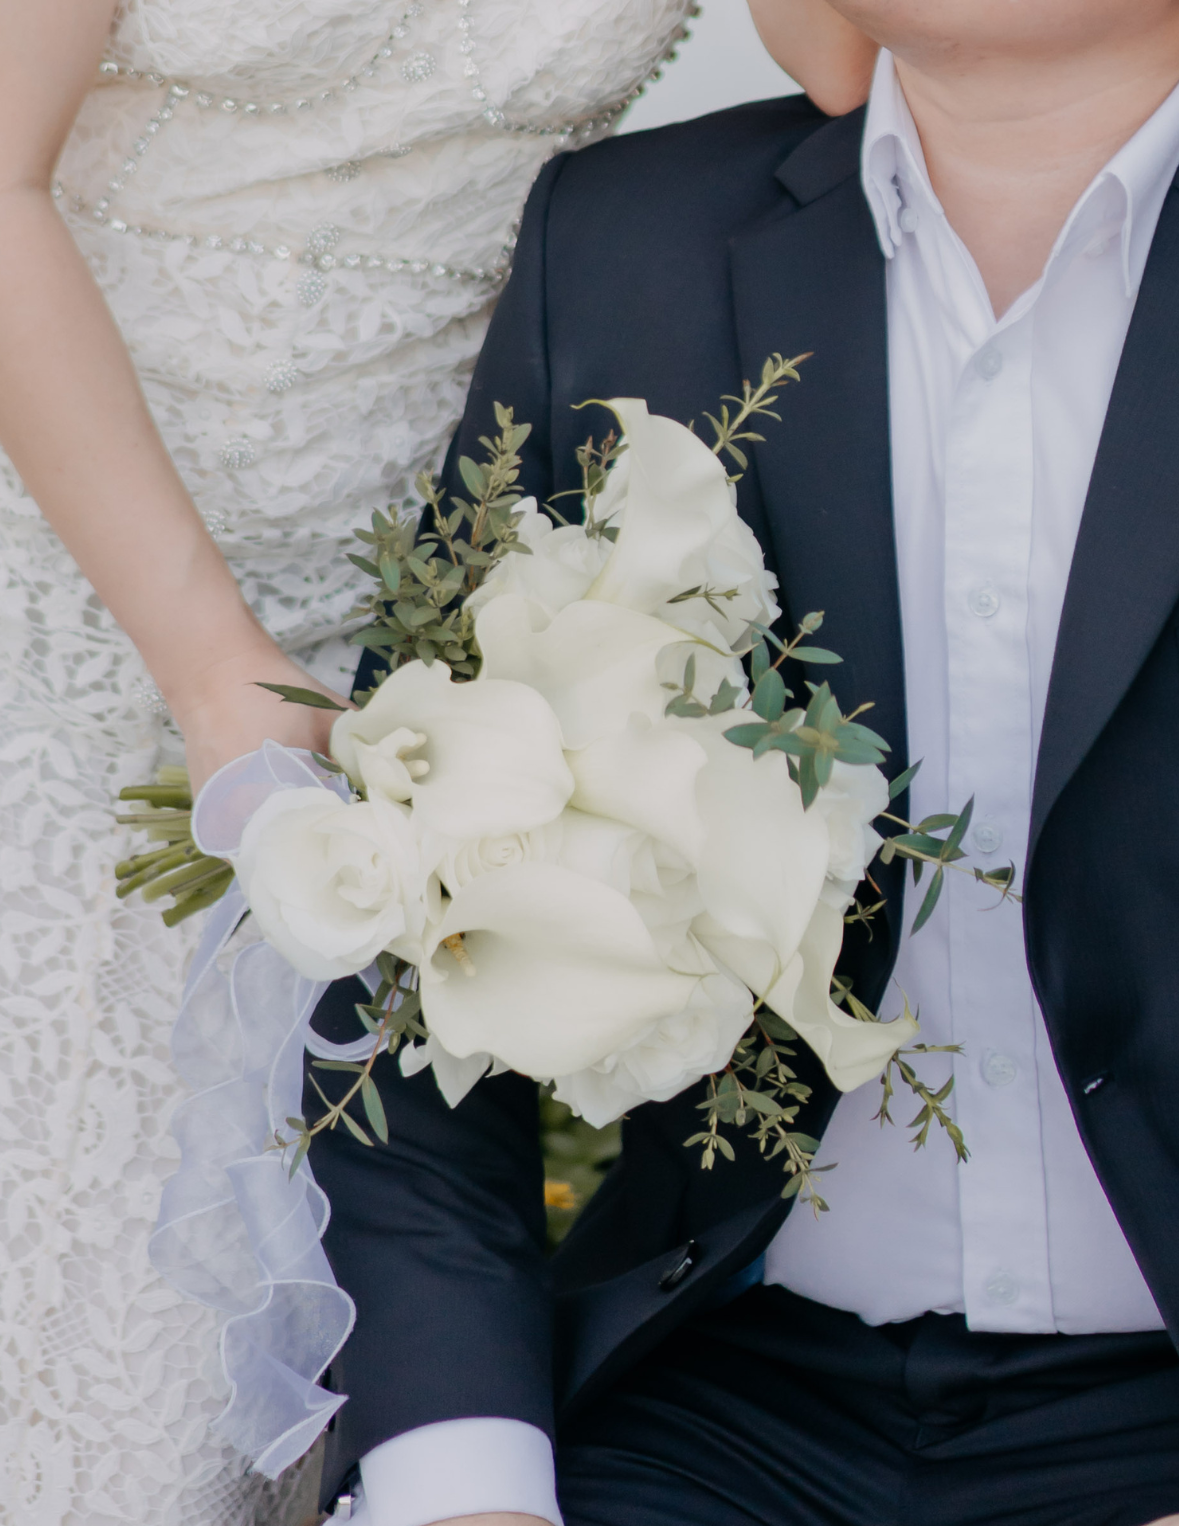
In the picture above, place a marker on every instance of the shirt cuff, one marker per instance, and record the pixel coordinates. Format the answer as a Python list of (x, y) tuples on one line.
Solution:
[(460, 1467)]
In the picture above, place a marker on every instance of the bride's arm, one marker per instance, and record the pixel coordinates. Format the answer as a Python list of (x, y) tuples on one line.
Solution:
[(829, 57), (75, 424)]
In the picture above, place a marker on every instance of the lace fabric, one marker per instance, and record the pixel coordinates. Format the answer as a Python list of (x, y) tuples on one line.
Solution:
[(296, 392)]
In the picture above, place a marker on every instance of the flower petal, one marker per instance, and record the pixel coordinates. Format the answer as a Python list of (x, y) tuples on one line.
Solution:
[(594, 664), (764, 858), (852, 1052), (564, 972), (644, 775), (492, 750), (677, 504), (562, 563), (331, 883)]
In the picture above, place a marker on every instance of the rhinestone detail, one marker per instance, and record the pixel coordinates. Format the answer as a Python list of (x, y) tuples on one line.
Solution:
[(418, 67), (311, 288), (397, 265), (238, 453), (281, 376), (216, 522), (145, 696)]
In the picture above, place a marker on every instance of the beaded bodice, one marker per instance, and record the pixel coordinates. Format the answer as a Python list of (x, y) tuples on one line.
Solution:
[(298, 212)]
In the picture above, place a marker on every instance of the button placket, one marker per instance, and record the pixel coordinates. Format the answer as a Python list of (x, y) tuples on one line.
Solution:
[(988, 529)]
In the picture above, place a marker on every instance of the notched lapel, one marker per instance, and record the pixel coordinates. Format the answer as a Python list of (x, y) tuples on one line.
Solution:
[(1124, 581), (811, 277)]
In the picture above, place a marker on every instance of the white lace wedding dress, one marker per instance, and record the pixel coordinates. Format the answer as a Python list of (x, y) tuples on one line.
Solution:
[(298, 211)]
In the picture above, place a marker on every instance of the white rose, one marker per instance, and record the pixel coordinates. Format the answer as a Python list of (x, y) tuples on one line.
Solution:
[(563, 563), (674, 1053), (487, 759), (458, 863), (332, 883)]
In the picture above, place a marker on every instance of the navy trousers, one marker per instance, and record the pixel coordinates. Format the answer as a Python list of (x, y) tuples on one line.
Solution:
[(776, 1411)]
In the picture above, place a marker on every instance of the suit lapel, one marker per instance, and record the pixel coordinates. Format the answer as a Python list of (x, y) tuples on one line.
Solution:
[(1124, 581), (811, 277)]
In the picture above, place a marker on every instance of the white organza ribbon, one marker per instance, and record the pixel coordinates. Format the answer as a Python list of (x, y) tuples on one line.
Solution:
[(236, 1231)]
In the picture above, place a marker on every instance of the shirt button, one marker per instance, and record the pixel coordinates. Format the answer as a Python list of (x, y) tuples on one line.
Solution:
[(988, 363), (1002, 1288), (1097, 248), (984, 601), (998, 1069), (986, 838), (908, 220)]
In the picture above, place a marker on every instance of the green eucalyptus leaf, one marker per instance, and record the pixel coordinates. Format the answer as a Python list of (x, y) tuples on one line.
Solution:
[(374, 1109), (746, 736), (292, 695), (355, 1130), (929, 903), (769, 695), (473, 478), (817, 654), (390, 572), (960, 828)]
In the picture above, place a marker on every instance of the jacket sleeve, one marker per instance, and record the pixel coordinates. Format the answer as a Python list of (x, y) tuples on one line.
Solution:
[(439, 1235)]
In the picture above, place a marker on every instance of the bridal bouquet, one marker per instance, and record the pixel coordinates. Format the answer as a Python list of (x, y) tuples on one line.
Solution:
[(583, 830)]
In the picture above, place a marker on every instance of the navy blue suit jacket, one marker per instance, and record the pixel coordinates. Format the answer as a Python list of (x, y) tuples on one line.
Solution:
[(667, 266)]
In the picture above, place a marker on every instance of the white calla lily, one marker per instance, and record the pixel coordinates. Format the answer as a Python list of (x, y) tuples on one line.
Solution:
[(674, 508), (555, 971), (489, 761), (332, 883), (762, 874), (644, 775), (595, 664), (764, 859), (852, 1052), (676, 503)]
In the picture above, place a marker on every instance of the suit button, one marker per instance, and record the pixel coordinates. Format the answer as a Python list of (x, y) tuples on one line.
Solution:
[(685, 1260)]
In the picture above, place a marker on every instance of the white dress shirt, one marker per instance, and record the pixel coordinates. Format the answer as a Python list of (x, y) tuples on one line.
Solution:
[(995, 426)]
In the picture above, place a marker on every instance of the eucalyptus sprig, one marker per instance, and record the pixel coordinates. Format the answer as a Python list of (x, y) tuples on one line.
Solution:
[(933, 1103), (425, 571), (595, 462), (759, 1088), (758, 1085), (754, 402), (814, 738), (393, 1014), (920, 844), (178, 868)]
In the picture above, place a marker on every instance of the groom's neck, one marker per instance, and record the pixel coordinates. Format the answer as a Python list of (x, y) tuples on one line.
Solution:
[(1012, 139)]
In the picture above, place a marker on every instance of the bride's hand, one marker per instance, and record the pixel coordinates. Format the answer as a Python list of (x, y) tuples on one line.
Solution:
[(224, 713), (829, 57)]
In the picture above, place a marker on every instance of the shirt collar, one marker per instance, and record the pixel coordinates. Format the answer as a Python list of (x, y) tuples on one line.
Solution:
[(1139, 175)]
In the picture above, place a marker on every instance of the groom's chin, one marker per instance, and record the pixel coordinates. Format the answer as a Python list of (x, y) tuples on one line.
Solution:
[(965, 31)]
